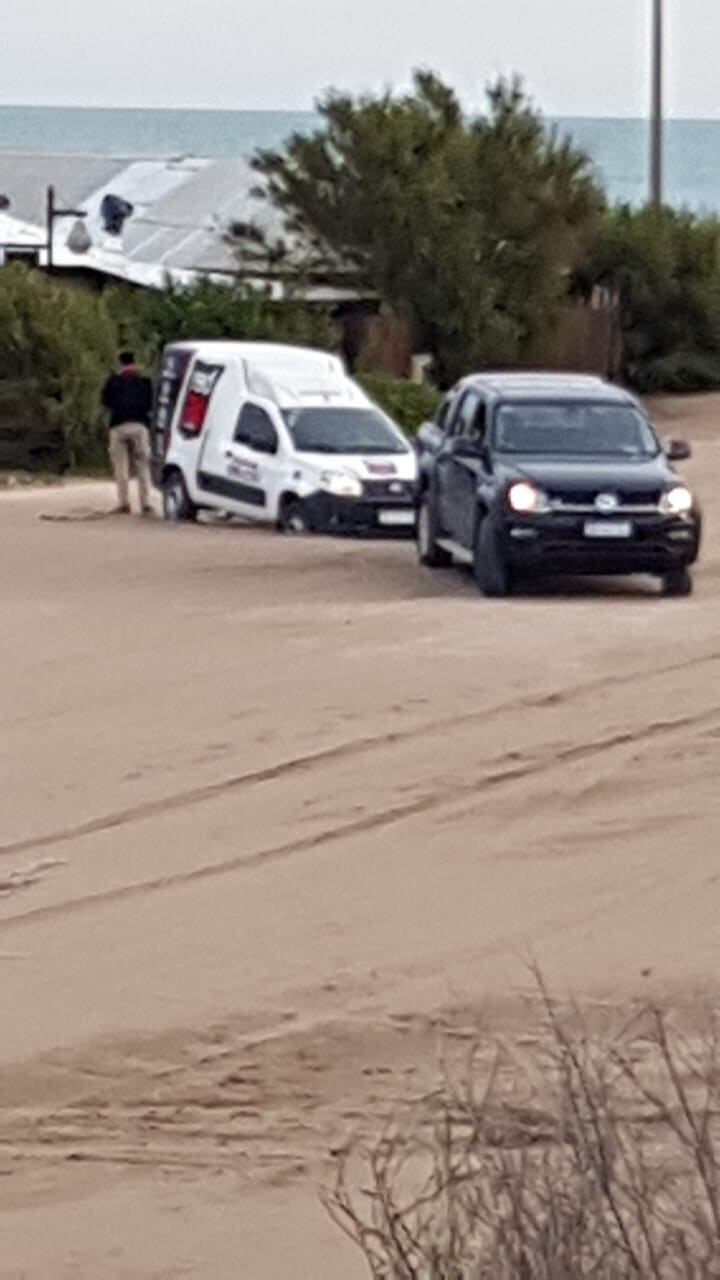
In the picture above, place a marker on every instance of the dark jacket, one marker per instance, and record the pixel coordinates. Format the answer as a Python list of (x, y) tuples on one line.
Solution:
[(129, 398)]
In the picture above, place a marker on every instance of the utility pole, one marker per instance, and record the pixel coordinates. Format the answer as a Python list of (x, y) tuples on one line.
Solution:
[(657, 110), (52, 213), (50, 224)]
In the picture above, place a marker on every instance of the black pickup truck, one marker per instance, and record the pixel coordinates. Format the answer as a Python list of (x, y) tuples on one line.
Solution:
[(530, 474)]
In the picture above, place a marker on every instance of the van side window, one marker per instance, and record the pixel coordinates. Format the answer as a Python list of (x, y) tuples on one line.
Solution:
[(255, 430)]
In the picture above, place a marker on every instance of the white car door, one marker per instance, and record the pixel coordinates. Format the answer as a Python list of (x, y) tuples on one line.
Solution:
[(242, 462)]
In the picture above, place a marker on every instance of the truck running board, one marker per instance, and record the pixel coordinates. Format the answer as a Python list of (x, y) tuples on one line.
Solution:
[(456, 551)]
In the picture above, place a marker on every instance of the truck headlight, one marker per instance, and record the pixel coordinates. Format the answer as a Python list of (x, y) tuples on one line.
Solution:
[(525, 499), (677, 501), (341, 484)]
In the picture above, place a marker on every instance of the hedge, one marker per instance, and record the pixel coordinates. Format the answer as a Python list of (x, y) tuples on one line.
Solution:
[(56, 344), (409, 403)]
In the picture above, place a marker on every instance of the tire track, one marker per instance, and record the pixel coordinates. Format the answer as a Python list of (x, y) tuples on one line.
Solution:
[(347, 750), (429, 802)]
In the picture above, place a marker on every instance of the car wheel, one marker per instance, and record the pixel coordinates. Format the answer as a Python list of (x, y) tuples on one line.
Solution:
[(679, 582), (294, 518), (427, 533), (489, 565), (177, 503)]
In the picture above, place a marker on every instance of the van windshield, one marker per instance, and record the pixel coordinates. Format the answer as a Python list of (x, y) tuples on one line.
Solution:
[(348, 430), (576, 429)]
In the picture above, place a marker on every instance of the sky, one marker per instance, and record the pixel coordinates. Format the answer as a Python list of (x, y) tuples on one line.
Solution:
[(578, 57)]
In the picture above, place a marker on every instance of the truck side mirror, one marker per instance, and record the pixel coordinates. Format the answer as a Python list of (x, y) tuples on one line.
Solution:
[(428, 435), (677, 450)]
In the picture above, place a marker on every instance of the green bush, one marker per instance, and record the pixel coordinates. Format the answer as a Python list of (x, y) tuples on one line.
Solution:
[(147, 321), (408, 403), (680, 372), (665, 267), (56, 344)]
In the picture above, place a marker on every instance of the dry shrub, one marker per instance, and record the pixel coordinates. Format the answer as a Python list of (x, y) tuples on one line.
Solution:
[(589, 1157)]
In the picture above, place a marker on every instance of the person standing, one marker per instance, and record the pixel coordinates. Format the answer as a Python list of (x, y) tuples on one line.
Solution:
[(128, 397)]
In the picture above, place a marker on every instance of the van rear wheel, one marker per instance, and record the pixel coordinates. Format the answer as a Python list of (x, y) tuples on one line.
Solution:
[(177, 503)]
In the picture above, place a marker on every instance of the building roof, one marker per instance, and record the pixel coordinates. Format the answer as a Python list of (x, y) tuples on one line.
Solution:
[(16, 234), (26, 176), (184, 209)]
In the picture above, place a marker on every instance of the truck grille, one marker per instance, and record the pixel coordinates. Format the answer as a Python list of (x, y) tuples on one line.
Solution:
[(583, 500)]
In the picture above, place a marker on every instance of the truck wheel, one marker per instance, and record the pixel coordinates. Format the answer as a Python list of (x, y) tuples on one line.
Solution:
[(679, 582), (177, 503), (427, 533), (489, 566), (294, 518)]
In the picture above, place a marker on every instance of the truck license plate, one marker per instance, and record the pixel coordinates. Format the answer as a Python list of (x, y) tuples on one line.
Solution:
[(608, 529), (405, 518)]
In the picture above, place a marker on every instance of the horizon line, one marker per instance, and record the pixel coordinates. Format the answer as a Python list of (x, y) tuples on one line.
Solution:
[(312, 111)]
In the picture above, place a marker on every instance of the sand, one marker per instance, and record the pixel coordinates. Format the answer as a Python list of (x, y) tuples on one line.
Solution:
[(274, 813)]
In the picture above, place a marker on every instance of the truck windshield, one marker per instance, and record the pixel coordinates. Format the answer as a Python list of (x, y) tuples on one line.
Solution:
[(575, 430), (348, 430)]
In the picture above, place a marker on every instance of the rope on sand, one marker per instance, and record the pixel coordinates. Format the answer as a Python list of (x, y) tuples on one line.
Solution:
[(69, 516)]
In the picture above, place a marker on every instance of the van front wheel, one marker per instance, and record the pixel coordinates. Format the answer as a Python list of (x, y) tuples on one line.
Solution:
[(293, 517), (177, 503)]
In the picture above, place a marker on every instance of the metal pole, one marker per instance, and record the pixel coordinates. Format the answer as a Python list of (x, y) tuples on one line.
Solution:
[(50, 225), (657, 116)]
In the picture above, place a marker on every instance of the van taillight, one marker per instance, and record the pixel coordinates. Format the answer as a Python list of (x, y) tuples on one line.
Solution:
[(194, 413)]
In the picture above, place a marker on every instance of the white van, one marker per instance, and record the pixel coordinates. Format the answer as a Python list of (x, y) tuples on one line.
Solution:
[(278, 434)]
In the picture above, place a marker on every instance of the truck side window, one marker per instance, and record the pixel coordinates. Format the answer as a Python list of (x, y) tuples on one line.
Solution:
[(453, 418), (467, 414), (255, 429), (444, 413), (478, 426)]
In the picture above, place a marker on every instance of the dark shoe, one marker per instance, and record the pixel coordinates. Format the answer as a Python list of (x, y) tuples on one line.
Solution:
[(123, 510), (148, 511)]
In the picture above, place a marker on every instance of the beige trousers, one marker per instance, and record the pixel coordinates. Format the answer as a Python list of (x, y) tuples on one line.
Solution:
[(131, 443)]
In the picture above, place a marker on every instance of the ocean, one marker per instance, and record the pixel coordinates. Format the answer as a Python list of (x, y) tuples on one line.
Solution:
[(619, 148)]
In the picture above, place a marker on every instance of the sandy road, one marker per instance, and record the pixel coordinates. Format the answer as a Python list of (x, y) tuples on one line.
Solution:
[(271, 811)]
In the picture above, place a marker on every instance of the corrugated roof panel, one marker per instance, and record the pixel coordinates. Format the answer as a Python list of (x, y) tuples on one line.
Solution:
[(182, 212), (204, 253), (14, 232), (211, 199), (25, 178)]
